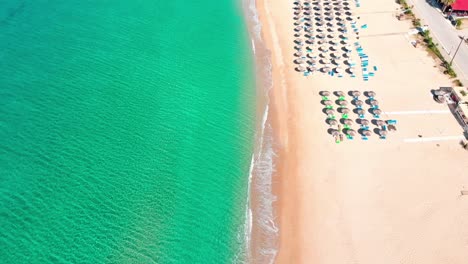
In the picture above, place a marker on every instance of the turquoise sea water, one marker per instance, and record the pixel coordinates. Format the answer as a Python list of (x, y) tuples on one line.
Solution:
[(125, 131)]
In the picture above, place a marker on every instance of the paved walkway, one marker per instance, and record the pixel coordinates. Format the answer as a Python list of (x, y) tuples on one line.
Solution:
[(445, 34)]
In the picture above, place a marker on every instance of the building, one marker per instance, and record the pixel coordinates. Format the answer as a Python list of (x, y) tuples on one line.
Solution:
[(459, 97), (459, 8)]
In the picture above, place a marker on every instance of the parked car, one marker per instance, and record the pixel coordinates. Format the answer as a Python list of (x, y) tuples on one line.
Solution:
[(452, 19)]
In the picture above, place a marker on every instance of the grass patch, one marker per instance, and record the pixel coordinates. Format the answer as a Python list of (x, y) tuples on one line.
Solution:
[(458, 23)]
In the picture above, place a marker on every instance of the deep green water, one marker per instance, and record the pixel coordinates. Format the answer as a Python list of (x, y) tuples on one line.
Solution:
[(125, 131)]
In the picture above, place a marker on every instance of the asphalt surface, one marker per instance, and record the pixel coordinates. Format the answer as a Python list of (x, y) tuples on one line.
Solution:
[(444, 34)]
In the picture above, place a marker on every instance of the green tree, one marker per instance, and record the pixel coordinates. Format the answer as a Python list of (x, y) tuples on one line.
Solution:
[(446, 3)]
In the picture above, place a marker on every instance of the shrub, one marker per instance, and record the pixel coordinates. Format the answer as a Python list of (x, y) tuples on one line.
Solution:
[(458, 23)]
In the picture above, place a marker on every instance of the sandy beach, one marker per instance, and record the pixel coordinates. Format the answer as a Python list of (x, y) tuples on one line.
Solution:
[(391, 201)]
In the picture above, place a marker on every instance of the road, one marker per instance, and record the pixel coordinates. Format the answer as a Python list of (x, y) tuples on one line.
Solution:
[(445, 34)]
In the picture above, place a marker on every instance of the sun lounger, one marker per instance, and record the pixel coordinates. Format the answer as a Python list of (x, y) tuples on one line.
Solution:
[(383, 137), (349, 137), (391, 122), (375, 68), (364, 138)]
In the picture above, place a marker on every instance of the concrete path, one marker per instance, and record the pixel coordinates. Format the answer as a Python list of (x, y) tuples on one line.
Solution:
[(444, 34)]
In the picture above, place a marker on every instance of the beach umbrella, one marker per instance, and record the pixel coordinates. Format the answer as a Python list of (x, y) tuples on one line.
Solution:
[(348, 47), (326, 69), (309, 55), (335, 55), (325, 93), (350, 62), (321, 35), (298, 28), (343, 102), (328, 102), (377, 112), (338, 69), (358, 102), (383, 132), (299, 61), (307, 13), (344, 110), (348, 122), (297, 12), (332, 122), (325, 61), (330, 111), (309, 29), (371, 94), (361, 111), (364, 122), (351, 132), (298, 47), (323, 48), (351, 70), (367, 133), (298, 40), (380, 122), (356, 94), (321, 41), (300, 69), (311, 62), (312, 69), (374, 102), (339, 93), (310, 47), (297, 22), (298, 54)]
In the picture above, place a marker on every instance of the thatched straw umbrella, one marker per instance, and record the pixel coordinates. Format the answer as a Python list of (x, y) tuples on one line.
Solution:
[(356, 93), (377, 112), (325, 93), (367, 133), (374, 102), (339, 93), (380, 122), (348, 122), (332, 122), (344, 110), (330, 111), (358, 102), (343, 102), (371, 94), (351, 132), (328, 102), (364, 122), (383, 133), (361, 111)]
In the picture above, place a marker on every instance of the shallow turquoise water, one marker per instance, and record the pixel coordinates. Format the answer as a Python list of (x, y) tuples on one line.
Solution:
[(125, 131)]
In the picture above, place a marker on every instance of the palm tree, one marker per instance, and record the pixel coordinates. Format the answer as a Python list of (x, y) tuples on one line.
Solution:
[(446, 3)]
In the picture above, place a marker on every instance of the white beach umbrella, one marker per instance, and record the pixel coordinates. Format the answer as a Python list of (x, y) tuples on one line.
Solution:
[(324, 60), (298, 40), (324, 48), (300, 69), (321, 35), (348, 47), (338, 69), (351, 69), (298, 54)]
